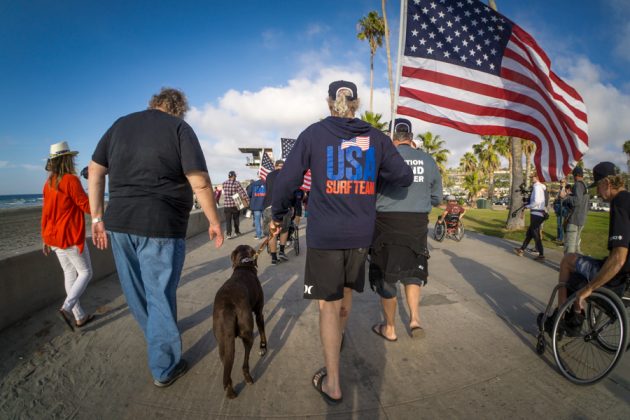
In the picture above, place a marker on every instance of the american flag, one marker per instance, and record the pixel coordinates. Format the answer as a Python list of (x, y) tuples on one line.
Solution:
[(287, 146), (470, 68), (362, 142), (266, 166)]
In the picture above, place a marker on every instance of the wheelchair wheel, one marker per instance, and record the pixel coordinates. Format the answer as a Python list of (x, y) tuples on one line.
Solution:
[(588, 353), (439, 231), (459, 234), (296, 240)]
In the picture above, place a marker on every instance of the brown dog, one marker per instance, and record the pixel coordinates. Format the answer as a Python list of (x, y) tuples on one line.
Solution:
[(232, 317)]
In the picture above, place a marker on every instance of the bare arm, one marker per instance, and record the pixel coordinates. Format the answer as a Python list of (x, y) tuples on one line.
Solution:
[(202, 187), (96, 193), (611, 267)]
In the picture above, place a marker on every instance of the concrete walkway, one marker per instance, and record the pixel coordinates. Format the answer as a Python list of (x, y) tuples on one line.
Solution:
[(476, 361)]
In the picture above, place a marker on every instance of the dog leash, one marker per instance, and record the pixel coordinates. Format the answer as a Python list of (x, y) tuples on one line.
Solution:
[(263, 245)]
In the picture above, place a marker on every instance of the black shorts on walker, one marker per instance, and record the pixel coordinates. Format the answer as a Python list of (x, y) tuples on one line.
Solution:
[(328, 271)]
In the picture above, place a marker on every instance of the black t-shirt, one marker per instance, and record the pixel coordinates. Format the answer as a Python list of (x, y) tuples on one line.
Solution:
[(619, 229), (147, 155), (271, 177)]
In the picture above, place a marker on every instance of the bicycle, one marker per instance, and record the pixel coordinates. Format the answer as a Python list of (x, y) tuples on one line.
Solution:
[(587, 347)]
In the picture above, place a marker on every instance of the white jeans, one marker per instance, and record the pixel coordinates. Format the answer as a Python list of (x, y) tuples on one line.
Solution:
[(77, 272)]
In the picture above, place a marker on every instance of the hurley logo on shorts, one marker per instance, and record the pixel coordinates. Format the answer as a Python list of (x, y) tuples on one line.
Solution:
[(351, 167), (307, 289), (616, 238)]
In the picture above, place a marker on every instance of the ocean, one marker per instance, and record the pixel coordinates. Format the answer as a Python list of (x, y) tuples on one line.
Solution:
[(20, 201)]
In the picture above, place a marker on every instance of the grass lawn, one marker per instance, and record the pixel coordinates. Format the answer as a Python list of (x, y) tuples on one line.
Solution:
[(492, 222)]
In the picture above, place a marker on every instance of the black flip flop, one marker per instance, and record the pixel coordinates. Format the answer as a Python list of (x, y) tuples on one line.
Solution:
[(317, 381), (378, 330), (64, 316), (86, 321)]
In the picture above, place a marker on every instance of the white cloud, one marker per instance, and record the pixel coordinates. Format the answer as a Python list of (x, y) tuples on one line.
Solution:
[(608, 110), (31, 167), (271, 37), (4, 164)]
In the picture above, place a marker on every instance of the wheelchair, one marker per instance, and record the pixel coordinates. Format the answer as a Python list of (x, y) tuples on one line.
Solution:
[(587, 346), (452, 228)]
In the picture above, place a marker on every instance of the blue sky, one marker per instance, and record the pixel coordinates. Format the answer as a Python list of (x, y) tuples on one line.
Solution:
[(253, 71)]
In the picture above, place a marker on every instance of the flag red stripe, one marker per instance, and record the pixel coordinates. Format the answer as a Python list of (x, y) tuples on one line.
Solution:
[(481, 110), (487, 90), (542, 77), (521, 34), (484, 130)]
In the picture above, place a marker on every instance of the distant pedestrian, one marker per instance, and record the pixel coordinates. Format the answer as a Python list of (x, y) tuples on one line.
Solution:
[(577, 203), (538, 213), (346, 156), (283, 235), (232, 187), (257, 192), (217, 194), (399, 248), (154, 163), (63, 230)]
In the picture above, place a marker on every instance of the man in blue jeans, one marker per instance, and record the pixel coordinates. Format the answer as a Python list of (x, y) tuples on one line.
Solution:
[(155, 163), (256, 193)]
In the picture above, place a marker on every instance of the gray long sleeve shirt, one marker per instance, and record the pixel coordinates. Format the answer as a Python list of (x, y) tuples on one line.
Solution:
[(578, 204), (424, 193)]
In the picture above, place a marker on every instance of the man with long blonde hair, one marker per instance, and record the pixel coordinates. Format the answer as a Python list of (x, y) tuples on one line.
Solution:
[(345, 156)]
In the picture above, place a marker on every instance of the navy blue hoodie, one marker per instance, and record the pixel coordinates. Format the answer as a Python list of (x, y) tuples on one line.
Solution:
[(345, 156)]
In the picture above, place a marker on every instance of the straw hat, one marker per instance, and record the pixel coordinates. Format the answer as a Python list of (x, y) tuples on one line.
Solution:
[(60, 149)]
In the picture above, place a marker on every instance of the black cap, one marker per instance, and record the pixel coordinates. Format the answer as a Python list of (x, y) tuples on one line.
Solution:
[(335, 87), (602, 170), (401, 125), (578, 171), (232, 174)]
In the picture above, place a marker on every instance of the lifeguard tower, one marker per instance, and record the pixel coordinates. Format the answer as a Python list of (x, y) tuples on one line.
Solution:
[(253, 161)]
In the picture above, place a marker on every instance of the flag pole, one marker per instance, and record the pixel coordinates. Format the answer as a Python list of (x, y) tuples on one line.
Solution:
[(402, 31)]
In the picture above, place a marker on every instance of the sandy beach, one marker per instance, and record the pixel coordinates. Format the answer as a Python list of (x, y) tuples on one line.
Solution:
[(20, 230)]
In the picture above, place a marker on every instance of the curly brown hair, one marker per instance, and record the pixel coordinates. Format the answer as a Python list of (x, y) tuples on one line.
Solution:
[(170, 100), (59, 167)]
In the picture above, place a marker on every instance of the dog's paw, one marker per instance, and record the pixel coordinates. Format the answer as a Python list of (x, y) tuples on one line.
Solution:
[(230, 393), (262, 351), (248, 378)]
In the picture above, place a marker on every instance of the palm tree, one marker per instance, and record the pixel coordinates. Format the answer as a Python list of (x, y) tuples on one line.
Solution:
[(626, 150), (372, 29), (529, 147), (503, 149), (468, 163), (488, 161), (433, 146), (389, 58), (472, 184), (374, 120), (515, 222)]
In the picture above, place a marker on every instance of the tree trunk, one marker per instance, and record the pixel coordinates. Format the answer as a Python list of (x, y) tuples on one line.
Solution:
[(490, 186), (528, 167), (371, 80), (516, 222), (389, 64)]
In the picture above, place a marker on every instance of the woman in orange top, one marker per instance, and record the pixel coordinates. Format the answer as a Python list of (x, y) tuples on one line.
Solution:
[(63, 230)]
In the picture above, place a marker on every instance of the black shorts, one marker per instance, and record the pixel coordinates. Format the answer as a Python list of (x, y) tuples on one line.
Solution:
[(267, 217), (328, 271)]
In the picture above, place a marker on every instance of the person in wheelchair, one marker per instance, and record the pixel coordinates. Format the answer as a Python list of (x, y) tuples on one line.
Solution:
[(453, 213), (583, 274)]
